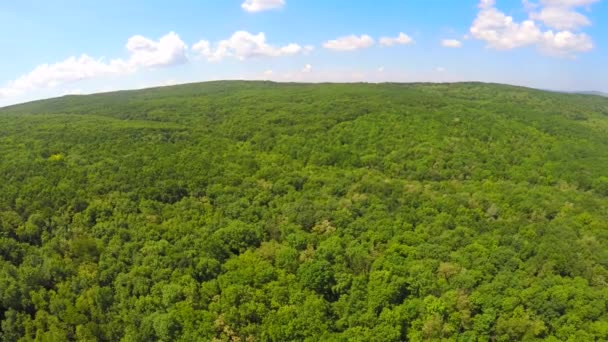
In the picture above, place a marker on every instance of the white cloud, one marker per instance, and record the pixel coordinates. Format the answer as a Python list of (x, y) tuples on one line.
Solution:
[(451, 43), (502, 32), (440, 69), (261, 5), (350, 43), (9, 92), (72, 92), (244, 45), (484, 4), (169, 50), (169, 82), (203, 48), (401, 39), (307, 69), (143, 53), (381, 69), (561, 18), (568, 3), (562, 14), (529, 5), (563, 43), (268, 72), (70, 70)]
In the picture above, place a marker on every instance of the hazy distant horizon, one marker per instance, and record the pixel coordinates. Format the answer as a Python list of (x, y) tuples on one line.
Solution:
[(98, 47)]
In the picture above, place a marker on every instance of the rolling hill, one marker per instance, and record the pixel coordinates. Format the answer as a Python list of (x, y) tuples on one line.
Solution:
[(259, 211), (598, 93)]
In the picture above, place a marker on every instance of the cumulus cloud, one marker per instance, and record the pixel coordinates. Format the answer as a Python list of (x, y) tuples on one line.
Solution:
[(502, 32), (451, 43), (261, 5), (568, 3), (203, 48), (244, 45), (354, 42), (307, 69), (72, 92), (561, 18), (565, 42), (143, 53), (169, 50), (8, 92), (562, 14), (350, 43), (71, 69), (401, 39)]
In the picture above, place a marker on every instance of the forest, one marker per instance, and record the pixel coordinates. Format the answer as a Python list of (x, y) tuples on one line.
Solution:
[(261, 211)]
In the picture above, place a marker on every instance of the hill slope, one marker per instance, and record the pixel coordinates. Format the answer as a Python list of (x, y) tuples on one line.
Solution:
[(598, 93), (266, 211)]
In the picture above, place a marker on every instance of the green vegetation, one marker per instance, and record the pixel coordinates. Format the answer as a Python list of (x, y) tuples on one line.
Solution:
[(255, 211)]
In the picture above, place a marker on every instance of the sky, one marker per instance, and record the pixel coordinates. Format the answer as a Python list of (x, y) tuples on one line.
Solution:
[(54, 48)]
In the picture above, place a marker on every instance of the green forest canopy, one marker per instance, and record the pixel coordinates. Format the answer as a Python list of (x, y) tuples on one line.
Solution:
[(257, 211)]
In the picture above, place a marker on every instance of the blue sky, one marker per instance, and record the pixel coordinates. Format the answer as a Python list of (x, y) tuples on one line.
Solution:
[(51, 48)]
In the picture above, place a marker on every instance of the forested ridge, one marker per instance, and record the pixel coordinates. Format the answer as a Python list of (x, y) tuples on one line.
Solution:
[(258, 211)]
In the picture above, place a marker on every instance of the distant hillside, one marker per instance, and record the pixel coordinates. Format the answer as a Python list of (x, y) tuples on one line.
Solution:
[(260, 211), (598, 93)]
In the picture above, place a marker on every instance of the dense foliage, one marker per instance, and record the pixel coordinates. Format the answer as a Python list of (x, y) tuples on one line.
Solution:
[(255, 211)]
